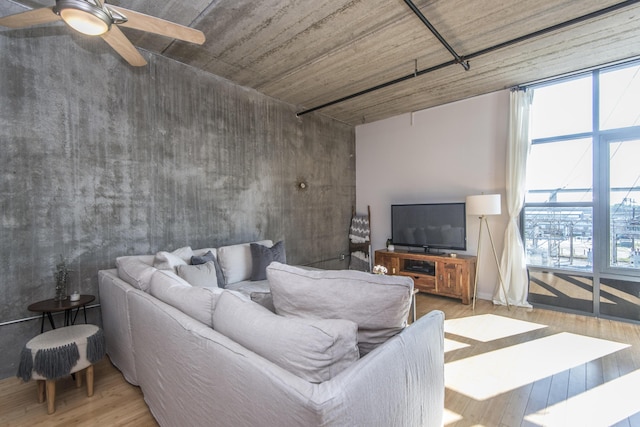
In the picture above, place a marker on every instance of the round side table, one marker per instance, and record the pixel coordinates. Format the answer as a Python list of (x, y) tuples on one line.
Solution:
[(49, 306)]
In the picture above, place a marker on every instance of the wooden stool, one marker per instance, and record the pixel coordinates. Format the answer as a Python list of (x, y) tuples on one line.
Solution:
[(58, 353)]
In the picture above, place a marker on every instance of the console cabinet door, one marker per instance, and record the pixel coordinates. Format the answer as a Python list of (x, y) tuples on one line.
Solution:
[(449, 279), (391, 262)]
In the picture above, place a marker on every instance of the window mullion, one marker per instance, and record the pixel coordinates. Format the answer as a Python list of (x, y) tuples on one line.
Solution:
[(600, 222)]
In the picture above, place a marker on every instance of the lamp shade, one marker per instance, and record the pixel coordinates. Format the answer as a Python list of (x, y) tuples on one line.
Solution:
[(484, 204)]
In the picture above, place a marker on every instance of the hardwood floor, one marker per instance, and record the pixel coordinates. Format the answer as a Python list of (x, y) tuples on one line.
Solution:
[(560, 398), (115, 402), (592, 383)]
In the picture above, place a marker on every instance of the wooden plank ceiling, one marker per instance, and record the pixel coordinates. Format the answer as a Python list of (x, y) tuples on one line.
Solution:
[(309, 53)]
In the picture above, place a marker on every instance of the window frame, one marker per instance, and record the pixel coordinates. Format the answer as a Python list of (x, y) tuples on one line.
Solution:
[(600, 202), (604, 142)]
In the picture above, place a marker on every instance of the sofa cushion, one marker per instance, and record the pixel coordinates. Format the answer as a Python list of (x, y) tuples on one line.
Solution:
[(313, 349), (235, 261), (136, 270), (378, 304), (264, 299), (203, 275), (203, 251), (262, 256), (246, 287), (170, 260), (210, 255), (194, 301)]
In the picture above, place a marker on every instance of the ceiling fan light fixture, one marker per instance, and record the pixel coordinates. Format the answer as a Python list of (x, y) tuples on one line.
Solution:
[(84, 17)]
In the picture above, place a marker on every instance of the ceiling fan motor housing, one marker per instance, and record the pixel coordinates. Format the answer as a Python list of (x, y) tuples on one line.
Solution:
[(95, 18), (84, 16)]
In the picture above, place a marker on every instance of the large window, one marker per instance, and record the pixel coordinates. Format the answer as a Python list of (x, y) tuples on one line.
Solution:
[(581, 218)]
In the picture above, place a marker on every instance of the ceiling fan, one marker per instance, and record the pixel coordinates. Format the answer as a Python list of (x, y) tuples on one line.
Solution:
[(95, 18)]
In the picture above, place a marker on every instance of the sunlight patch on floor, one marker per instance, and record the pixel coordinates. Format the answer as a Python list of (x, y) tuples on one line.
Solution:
[(450, 345), (450, 417), (486, 375), (488, 327), (563, 287), (540, 290), (587, 409), (625, 296)]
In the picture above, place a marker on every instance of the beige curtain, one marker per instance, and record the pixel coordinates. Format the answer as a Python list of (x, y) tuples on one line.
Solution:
[(513, 263)]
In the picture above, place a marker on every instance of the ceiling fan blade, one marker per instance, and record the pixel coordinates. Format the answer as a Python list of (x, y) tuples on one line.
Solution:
[(121, 44), (29, 18), (151, 24)]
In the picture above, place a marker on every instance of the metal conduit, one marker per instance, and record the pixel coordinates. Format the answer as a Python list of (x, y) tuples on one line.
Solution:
[(529, 36), (425, 21), (39, 317)]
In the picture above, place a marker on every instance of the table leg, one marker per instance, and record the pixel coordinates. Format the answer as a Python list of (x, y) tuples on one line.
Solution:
[(90, 380), (51, 396), (75, 316), (42, 325), (414, 307), (53, 325)]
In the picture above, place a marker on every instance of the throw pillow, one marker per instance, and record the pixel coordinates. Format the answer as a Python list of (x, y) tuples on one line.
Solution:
[(203, 275), (201, 259), (136, 270), (194, 301), (209, 256), (313, 349), (379, 304), (235, 261), (170, 260), (262, 256)]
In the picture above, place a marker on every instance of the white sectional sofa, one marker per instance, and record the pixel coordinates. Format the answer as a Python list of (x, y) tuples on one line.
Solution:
[(326, 348)]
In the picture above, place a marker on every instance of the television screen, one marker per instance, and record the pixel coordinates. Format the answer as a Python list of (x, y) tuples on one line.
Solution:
[(433, 225)]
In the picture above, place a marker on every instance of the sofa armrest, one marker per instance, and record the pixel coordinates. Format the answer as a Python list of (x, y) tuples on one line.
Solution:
[(116, 323), (192, 375), (399, 383)]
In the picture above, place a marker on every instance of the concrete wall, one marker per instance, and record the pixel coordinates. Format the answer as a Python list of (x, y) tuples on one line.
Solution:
[(99, 159), (441, 154)]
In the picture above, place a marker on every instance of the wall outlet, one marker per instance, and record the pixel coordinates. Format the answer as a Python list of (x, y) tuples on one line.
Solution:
[(342, 257)]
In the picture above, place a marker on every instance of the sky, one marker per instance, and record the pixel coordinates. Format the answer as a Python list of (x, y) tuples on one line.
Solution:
[(565, 109)]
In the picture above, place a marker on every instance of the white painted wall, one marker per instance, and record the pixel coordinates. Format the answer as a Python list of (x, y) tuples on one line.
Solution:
[(441, 154)]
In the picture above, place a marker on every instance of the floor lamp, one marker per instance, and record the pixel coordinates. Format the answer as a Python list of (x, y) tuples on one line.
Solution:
[(482, 206)]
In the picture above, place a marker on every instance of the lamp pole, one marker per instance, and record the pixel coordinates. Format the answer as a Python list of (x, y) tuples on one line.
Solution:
[(475, 284), (495, 256), (483, 205)]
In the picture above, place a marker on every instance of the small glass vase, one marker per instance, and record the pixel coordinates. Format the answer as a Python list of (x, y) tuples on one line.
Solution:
[(61, 275), (61, 292)]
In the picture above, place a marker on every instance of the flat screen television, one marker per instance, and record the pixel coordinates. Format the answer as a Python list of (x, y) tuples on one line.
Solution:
[(431, 226)]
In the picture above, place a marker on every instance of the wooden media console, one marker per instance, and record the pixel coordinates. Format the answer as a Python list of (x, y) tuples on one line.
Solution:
[(435, 274)]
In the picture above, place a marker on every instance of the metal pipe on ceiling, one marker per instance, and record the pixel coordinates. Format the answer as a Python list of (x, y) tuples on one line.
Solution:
[(425, 21), (516, 40)]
